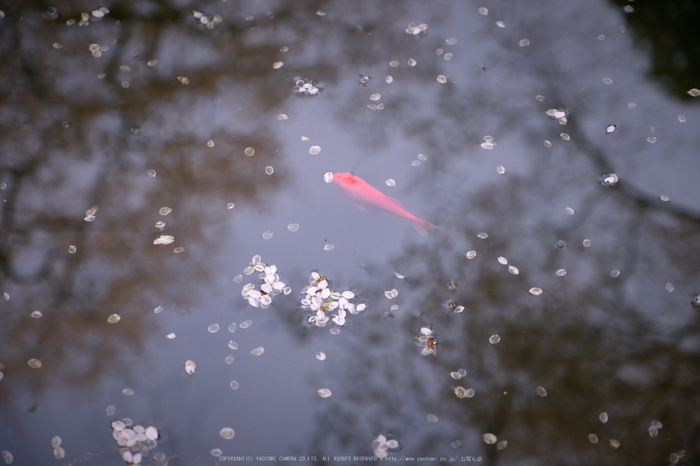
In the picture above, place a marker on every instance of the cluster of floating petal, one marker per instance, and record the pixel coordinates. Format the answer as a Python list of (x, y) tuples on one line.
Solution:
[(327, 304), (134, 442), (427, 341), (97, 50), (451, 305), (511, 268), (97, 14), (415, 30), (58, 450), (654, 428), (382, 446), (90, 214), (609, 179), (488, 143), (304, 86), (560, 115), (462, 392), (420, 159), (207, 20), (676, 456), (491, 439), (271, 285)]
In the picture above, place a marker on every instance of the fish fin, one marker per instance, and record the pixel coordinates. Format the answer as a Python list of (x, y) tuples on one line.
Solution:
[(422, 227), (397, 202)]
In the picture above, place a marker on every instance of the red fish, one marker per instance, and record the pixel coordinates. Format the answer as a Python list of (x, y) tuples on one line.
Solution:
[(362, 193)]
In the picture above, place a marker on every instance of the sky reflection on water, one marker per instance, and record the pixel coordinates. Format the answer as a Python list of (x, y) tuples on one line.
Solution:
[(163, 94)]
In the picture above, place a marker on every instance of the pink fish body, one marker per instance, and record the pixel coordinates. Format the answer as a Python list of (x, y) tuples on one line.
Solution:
[(362, 193)]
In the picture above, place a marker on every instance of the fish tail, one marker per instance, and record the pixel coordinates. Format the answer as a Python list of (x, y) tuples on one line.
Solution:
[(422, 227)]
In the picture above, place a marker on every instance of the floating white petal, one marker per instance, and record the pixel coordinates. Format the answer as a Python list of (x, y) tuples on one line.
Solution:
[(164, 239), (151, 433)]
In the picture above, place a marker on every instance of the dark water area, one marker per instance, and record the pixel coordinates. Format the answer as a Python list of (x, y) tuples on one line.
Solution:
[(166, 176)]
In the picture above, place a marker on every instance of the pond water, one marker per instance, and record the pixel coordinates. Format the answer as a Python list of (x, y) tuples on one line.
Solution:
[(158, 157)]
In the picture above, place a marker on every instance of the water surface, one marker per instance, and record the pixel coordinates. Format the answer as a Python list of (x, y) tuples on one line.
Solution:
[(553, 142)]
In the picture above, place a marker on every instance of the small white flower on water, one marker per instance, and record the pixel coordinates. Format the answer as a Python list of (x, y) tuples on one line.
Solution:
[(415, 30), (271, 285), (381, 446), (426, 341), (391, 294), (320, 298)]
